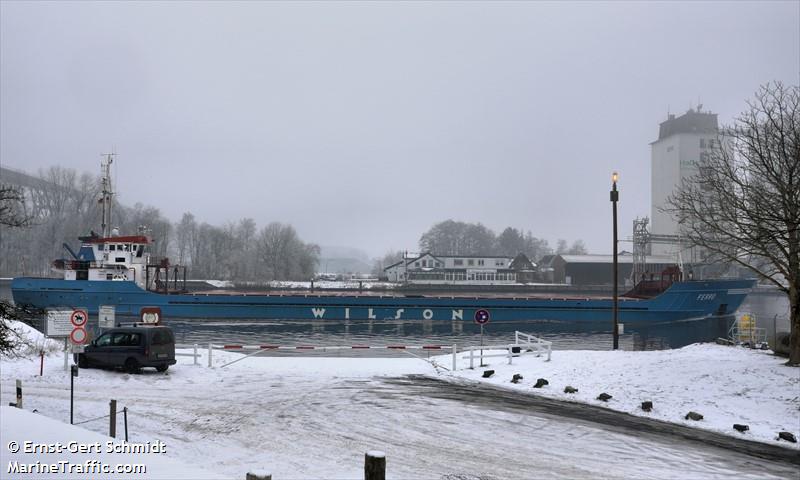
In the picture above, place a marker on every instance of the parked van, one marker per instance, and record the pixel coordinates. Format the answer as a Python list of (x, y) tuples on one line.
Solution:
[(130, 348)]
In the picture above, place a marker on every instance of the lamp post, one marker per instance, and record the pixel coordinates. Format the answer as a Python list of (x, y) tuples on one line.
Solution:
[(615, 307)]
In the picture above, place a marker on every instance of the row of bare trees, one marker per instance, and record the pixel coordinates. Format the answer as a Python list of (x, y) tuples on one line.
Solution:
[(62, 205), (452, 237)]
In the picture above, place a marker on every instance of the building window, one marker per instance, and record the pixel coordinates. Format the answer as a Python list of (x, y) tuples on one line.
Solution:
[(710, 143), (416, 264), (470, 262), (498, 263), (480, 262), (458, 262)]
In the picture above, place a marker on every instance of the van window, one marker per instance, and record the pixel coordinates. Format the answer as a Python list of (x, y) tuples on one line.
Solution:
[(104, 340), (162, 337), (127, 339)]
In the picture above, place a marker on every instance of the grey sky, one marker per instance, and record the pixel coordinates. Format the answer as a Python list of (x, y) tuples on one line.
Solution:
[(362, 124)]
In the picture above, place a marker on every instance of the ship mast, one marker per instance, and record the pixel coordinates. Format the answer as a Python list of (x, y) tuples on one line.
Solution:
[(107, 193)]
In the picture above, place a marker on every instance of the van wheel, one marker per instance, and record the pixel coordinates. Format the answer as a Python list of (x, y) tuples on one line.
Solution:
[(131, 365), (162, 368), (83, 362)]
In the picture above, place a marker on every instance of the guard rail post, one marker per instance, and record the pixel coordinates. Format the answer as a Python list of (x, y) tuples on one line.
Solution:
[(19, 394), (194, 358), (374, 465), (210, 348), (112, 418)]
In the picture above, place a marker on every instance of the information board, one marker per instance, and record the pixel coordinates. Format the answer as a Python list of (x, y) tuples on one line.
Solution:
[(106, 316), (58, 323)]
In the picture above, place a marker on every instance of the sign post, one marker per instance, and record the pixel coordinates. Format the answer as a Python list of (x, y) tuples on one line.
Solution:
[(482, 318), (58, 325)]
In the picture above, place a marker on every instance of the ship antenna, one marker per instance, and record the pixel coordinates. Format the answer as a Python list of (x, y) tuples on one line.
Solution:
[(107, 193)]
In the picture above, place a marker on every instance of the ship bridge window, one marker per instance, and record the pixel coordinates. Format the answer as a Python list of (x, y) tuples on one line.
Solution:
[(139, 250), (112, 247)]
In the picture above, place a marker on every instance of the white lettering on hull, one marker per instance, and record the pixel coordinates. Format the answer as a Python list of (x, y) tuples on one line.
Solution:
[(427, 314)]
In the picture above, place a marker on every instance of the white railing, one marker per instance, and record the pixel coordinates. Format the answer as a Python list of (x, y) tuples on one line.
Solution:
[(524, 344)]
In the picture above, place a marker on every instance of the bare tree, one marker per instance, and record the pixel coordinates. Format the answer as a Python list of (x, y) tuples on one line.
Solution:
[(12, 207), (12, 215), (743, 204)]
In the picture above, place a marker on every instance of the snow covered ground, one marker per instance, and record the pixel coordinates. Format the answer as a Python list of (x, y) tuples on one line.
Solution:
[(726, 385), (315, 417)]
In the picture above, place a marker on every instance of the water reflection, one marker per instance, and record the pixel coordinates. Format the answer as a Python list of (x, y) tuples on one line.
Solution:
[(406, 332)]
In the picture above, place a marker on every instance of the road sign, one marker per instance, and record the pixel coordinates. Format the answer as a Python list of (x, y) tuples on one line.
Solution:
[(78, 336), (106, 316), (58, 323), (151, 315), (482, 316), (79, 317)]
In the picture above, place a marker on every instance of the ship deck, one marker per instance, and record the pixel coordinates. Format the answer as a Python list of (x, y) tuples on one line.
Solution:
[(388, 294)]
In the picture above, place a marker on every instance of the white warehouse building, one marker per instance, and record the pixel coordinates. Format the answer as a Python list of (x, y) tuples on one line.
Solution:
[(683, 142)]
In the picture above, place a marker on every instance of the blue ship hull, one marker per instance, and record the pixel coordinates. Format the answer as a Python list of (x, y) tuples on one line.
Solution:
[(682, 301)]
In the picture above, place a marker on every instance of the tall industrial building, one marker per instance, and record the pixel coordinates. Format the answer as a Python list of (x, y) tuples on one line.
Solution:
[(682, 143)]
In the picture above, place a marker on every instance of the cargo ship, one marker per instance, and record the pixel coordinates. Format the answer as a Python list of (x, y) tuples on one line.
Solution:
[(117, 271)]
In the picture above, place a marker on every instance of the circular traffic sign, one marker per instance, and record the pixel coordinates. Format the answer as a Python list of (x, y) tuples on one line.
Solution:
[(78, 336), (151, 315), (481, 316), (78, 318)]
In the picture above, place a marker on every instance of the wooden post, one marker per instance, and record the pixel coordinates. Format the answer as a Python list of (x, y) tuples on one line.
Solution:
[(374, 465), (112, 420), (41, 363), (125, 416), (258, 475), (19, 393)]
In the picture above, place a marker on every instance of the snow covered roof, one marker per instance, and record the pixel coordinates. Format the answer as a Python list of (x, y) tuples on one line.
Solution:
[(653, 259)]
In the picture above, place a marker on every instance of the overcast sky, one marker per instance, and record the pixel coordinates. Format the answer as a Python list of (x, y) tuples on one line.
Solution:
[(362, 124)]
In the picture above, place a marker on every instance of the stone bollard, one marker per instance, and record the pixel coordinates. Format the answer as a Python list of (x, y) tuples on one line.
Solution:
[(374, 465), (517, 378), (740, 428), (647, 406), (488, 373), (693, 416), (541, 383), (258, 475), (570, 389), (604, 397)]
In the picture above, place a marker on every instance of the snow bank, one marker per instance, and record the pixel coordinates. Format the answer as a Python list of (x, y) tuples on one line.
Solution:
[(32, 341), (726, 385)]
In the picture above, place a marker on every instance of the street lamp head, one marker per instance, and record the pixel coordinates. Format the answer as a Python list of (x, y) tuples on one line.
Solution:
[(614, 177)]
